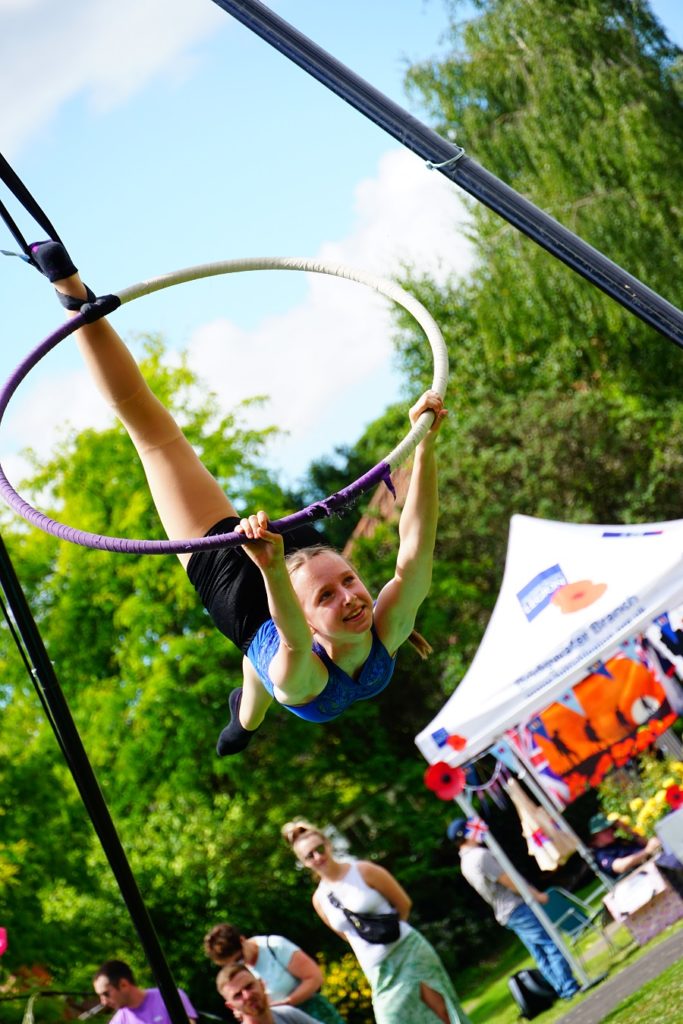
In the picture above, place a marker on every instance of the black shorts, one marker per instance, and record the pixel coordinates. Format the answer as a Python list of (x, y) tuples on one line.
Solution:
[(231, 586)]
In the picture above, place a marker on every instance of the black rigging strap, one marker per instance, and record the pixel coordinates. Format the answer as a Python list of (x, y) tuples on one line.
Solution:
[(22, 194)]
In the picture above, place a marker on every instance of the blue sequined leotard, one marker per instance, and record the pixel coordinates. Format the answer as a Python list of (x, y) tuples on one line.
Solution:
[(341, 690)]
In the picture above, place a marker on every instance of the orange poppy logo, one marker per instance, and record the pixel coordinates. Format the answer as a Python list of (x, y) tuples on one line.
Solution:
[(573, 597)]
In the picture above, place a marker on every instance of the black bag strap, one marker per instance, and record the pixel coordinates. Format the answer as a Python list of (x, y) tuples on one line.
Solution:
[(335, 902)]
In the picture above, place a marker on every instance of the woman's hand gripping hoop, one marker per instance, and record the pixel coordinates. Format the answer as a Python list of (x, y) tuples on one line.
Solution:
[(318, 510)]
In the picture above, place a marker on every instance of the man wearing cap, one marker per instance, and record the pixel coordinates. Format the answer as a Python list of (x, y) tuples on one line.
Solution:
[(245, 995), (613, 855), (484, 873)]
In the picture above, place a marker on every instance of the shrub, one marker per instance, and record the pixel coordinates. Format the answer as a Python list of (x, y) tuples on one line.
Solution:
[(346, 986)]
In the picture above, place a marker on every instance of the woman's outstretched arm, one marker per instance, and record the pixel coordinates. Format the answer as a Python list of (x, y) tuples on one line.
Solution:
[(298, 674), (400, 600)]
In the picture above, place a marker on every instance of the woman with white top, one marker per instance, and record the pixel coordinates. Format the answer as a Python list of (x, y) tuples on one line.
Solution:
[(406, 975)]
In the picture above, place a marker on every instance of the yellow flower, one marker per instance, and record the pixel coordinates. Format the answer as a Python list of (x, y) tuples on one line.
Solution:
[(668, 781), (637, 803)]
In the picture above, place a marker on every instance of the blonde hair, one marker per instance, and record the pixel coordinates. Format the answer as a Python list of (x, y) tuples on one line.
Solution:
[(299, 828), (296, 559)]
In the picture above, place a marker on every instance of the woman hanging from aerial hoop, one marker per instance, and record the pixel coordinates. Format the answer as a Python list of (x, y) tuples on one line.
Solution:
[(311, 635)]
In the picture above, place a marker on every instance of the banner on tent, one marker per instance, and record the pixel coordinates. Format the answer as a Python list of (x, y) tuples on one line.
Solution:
[(571, 594), (616, 712)]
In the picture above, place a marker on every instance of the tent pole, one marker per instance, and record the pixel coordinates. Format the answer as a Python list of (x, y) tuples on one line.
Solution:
[(525, 771), (452, 161), (670, 744), (522, 886)]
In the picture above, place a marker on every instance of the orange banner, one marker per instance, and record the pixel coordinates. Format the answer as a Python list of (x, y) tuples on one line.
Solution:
[(609, 717)]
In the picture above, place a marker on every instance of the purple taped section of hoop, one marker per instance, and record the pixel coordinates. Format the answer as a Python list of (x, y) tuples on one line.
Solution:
[(330, 506)]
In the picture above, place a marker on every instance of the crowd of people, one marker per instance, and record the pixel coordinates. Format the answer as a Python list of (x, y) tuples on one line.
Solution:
[(266, 979)]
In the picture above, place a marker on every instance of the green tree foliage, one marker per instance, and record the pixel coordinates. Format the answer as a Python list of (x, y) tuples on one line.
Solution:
[(147, 676), (327, 475), (562, 405), (580, 110)]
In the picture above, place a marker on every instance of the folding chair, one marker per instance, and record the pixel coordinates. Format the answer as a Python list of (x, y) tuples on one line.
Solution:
[(575, 918)]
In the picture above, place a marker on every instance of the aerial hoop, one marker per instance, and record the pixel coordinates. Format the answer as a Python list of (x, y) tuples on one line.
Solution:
[(319, 509)]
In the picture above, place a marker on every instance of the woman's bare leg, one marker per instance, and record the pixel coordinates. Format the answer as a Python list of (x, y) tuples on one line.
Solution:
[(255, 698), (248, 705), (435, 1001), (188, 499)]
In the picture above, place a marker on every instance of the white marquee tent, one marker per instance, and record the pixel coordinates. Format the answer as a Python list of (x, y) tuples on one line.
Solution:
[(570, 595)]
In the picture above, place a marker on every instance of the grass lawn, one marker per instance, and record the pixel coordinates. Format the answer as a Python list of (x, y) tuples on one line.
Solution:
[(486, 998), (658, 1002)]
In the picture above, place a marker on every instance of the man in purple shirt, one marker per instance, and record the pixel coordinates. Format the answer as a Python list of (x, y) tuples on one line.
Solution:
[(115, 985)]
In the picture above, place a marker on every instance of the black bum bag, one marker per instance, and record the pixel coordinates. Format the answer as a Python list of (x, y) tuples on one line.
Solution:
[(377, 928)]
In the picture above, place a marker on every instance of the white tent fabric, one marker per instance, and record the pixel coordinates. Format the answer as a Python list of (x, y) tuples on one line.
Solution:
[(571, 593)]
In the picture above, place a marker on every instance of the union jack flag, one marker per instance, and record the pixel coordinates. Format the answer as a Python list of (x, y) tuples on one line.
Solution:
[(524, 740), (476, 829)]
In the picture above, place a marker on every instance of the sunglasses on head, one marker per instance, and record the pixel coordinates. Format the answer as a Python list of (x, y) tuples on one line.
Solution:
[(320, 848)]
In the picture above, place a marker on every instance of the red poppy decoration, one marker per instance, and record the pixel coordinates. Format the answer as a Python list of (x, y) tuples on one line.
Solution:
[(445, 781), (674, 797), (456, 742)]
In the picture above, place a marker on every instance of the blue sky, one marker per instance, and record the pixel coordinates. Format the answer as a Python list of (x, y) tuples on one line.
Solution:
[(158, 134)]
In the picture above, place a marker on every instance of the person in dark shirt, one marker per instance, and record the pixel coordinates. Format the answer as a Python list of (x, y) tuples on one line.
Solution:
[(615, 855)]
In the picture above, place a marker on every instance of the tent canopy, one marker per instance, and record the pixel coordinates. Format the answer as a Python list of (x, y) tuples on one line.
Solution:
[(571, 593)]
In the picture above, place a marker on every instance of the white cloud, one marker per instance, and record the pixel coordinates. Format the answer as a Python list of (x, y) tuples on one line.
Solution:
[(104, 51), (39, 414), (406, 214), (316, 360)]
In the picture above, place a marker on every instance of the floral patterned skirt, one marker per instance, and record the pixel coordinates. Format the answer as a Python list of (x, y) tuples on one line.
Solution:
[(395, 984)]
